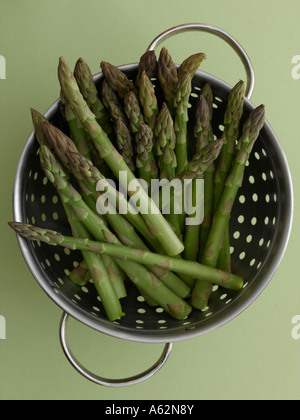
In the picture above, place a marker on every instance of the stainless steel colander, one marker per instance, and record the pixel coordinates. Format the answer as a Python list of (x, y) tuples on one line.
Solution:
[(260, 228)]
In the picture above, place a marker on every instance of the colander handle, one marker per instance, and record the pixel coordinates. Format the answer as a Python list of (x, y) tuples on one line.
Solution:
[(221, 34), (115, 383)]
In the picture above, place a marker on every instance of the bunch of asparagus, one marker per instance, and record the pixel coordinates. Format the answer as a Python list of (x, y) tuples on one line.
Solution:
[(136, 131)]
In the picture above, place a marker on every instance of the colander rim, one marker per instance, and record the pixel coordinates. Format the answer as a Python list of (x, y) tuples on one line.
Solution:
[(139, 335)]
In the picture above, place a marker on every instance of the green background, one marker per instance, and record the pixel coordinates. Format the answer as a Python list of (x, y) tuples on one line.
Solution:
[(252, 357)]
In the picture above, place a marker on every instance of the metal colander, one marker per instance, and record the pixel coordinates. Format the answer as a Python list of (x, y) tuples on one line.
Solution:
[(260, 228)]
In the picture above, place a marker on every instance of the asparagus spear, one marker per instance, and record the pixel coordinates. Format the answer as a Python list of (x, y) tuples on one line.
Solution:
[(88, 175), (167, 76), (123, 253), (96, 226), (202, 124), (154, 219), (81, 275), (133, 111), (190, 65), (251, 130), (43, 129), (112, 103), (51, 136), (77, 132), (165, 143), (232, 119), (138, 274), (118, 81), (198, 165), (208, 95), (124, 143), (37, 120), (181, 104), (127, 236), (201, 163), (192, 233), (100, 276), (147, 64), (98, 267), (204, 130), (148, 100), (145, 161), (165, 139), (88, 89), (57, 176)]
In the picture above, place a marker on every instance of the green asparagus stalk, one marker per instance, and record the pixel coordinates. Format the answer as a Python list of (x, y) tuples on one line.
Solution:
[(208, 95), (139, 275), (95, 225), (88, 89), (194, 170), (133, 111), (201, 163), (52, 137), (96, 266), (127, 236), (80, 275), (154, 219), (145, 161), (125, 143), (204, 129), (148, 100), (165, 143), (57, 176), (112, 103), (232, 119), (37, 120), (118, 81), (68, 194), (147, 64), (87, 174), (100, 276), (77, 132), (181, 105), (190, 65), (167, 76), (192, 232), (80, 137), (165, 139), (202, 124), (91, 178), (201, 272), (251, 130)]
